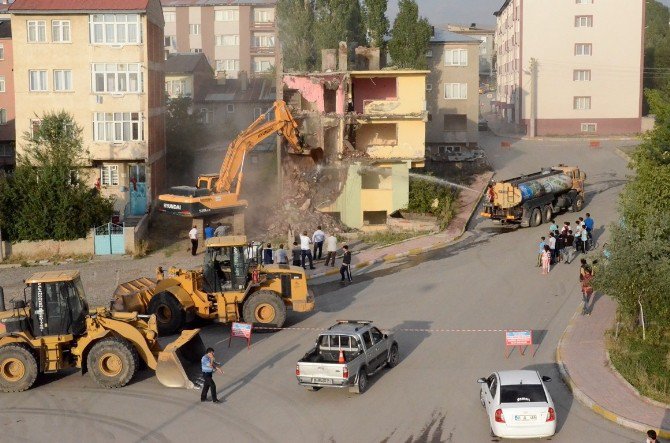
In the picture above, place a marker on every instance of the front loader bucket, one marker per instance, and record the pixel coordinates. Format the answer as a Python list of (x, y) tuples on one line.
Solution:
[(179, 363)]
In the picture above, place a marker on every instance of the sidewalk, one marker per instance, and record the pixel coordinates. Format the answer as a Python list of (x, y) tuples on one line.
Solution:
[(467, 204), (585, 368)]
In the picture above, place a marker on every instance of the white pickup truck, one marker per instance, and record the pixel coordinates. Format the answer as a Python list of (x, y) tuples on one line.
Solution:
[(346, 355)]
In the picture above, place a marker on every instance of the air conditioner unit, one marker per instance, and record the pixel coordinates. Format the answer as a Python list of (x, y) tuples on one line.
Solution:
[(98, 99)]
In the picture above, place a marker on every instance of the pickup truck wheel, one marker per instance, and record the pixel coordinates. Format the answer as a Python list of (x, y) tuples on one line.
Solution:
[(577, 204), (535, 217), (547, 214), (170, 317), (362, 383), (264, 308), (393, 356)]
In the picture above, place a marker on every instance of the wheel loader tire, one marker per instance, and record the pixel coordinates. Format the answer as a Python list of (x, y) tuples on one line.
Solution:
[(535, 217), (170, 316), (112, 362), (264, 308), (18, 368)]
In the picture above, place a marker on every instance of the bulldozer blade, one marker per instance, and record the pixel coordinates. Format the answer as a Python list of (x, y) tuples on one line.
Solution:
[(179, 363)]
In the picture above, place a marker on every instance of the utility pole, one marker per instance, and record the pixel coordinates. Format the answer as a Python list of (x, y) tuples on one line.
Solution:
[(279, 88), (533, 97)]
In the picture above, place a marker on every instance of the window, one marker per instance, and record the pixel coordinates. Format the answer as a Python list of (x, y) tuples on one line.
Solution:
[(261, 16), (429, 87), (117, 126), (117, 77), (60, 31), (589, 127), (583, 21), (230, 108), (227, 40), (456, 91), (429, 53), (582, 103), (37, 31), (109, 175), (584, 2), (227, 15), (262, 65), (2, 51), (206, 116), (38, 80), (115, 29), (455, 122), (264, 40), (228, 65), (2, 83), (3, 116), (258, 112), (194, 29), (583, 49), (170, 41), (522, 393), (377, 335), (196, 50), (6, 150), (62, 80), (177, 87), (581, 75), (170, 17), (456, 57), (34, 126), (367, 339)]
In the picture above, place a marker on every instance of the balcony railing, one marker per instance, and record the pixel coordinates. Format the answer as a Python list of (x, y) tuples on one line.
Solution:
[(269, 50), (263, 25)]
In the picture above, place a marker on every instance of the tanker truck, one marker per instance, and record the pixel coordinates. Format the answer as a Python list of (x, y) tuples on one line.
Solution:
[(533, 199)]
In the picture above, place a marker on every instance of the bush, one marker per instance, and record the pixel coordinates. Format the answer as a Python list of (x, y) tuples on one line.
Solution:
[(430, 196)]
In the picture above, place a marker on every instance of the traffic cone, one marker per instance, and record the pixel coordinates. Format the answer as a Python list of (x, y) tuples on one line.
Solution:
[(340, 359)]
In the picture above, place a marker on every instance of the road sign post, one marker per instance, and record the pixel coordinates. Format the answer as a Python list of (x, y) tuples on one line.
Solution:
[(241, 330)]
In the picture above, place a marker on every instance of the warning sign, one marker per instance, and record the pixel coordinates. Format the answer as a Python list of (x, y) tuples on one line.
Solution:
[(520, 338), (240, 330)]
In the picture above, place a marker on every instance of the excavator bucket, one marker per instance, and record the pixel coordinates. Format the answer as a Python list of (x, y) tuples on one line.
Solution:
[(179, 363)]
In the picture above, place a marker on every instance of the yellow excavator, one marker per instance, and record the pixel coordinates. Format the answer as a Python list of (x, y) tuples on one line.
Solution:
[(51, 328), (217, 195)]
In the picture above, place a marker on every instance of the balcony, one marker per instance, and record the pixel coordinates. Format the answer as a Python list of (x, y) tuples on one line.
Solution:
[(262, 26), (263, 50)]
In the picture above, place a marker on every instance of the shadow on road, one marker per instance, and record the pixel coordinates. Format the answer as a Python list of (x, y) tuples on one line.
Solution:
[(559, 392)]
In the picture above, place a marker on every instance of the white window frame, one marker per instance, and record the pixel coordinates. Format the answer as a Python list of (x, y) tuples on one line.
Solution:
[(109, 175), (107, 126), (455, 57), (42, 83), (227, 40), (206, 116), (225, 65), (258, 66), (581, 103), (456, 91), (2, 83), (585, 49), (262, 16), (583, 2), (34, 122), (170, 16), (64, 76), (61, 31), (429, 87), (581, 75), (583, 21), (196, 50), (264, 41), (39, 31), (227, 15), (586, 127), (172, 41), (429, 53), (177, 87), (2, 51), (115, 29), (116, 71), (194, 29)]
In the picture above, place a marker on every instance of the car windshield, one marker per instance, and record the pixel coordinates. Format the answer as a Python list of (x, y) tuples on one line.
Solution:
[(522, 394)]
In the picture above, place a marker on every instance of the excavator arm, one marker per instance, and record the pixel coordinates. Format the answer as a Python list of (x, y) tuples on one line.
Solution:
[(283, 123)]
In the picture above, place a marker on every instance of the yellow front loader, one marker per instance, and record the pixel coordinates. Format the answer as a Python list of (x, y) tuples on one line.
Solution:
[(51, 328)]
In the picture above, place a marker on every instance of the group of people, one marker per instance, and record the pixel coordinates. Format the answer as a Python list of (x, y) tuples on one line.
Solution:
[(208, 232), (563, 244), (309, 249)]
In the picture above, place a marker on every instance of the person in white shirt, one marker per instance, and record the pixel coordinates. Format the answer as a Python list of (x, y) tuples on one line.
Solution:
[(552, 246), (317, 238), (331, 250), (305, 250), (193, 235)]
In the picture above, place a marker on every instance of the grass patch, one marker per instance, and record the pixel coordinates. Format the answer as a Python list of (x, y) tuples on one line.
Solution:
[(27, 261), (383, 238), (645, 364)]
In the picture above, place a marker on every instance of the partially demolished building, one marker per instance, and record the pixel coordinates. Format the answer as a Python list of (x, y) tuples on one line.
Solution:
[(370, 122)]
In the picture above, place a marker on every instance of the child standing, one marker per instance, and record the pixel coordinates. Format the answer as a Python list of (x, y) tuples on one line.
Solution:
[(540, 252), (546, 260)]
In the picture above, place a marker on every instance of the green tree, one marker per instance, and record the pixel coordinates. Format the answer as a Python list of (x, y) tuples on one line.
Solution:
[(295, 24), (656, 46), (337, 21), (46, 197), (185, 133), (376, 22), (410, 37)]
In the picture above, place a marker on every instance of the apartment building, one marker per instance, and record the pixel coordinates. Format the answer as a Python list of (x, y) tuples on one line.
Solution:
[(564, 68), (234, 35), (486, 37), (101, 61), (7, 131), (452, 93), (188, 75)]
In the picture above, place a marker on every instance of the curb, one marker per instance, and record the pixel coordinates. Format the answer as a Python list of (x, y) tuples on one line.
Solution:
[(410, 252), (623, 155), (588, 401)]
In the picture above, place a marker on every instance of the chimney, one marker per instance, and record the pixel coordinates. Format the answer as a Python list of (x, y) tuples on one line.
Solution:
[(244, 80), (343, 55), (328, 60)]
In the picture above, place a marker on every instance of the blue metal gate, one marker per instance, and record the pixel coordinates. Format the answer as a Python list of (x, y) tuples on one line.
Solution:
[(108, 239)]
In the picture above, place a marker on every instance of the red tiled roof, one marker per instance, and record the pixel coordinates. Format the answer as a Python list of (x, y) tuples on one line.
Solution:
[(78, 5)]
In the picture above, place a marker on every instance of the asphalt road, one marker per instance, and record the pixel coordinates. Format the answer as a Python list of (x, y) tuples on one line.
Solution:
[(488, 281)]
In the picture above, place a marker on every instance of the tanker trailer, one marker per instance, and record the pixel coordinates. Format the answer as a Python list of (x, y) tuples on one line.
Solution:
[(532, 199)]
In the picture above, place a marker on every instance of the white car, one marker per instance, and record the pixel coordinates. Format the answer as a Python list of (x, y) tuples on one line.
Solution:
[(518, 404)]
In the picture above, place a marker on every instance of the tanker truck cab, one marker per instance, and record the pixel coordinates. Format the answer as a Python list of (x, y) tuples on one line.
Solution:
[(533, 199)]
